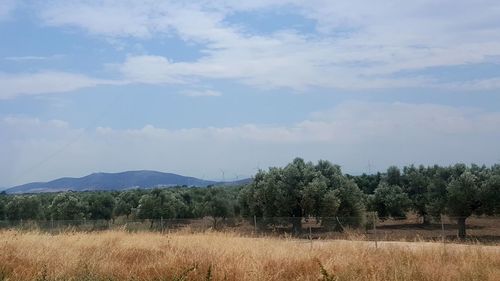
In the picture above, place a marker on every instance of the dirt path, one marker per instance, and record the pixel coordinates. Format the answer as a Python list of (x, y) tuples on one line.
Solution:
[(413, 246)]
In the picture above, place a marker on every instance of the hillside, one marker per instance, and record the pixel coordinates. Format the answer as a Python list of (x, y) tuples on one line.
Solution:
[(116, 181)]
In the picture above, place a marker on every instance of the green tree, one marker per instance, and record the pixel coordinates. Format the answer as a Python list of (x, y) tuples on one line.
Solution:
[(276, 195), (437, 198), (389, 201), (126, 202), (393, 176), (331, 173), (217, 205), (329, 208), (351, 211), (23, 208), (67, 206), (313, 196), (417, 188), (303, 190), (490, 195), (368, 183), (296, 176), (159, 204), (3, 202), (437, 190), (100, 206), (464, 199)]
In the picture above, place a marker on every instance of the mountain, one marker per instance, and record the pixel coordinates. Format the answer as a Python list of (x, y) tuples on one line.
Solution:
[(117, 181)]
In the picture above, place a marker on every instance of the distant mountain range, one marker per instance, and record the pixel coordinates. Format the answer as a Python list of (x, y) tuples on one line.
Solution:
[(117, 181)]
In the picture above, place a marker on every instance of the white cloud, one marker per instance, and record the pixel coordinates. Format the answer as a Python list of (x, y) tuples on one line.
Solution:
[(6, 8), (150, 69), (112, 18), (32, 58), (202, 93), (13, 85), (351, 134), (359, 44), (487, 84)]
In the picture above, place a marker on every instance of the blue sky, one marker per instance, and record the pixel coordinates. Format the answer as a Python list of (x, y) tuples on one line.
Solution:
[(202, 87)]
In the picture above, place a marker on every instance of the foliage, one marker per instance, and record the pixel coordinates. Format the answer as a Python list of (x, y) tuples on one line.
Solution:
[(490, 196), (393, 176), (217, 205), (389, 201), (159, 204), (100, 206), (416, 186), (3, 202), (467, 196), (463, 195), (297, 190), (126, 201), (67, 206), (23, 208), (303, 189), (351, 211)]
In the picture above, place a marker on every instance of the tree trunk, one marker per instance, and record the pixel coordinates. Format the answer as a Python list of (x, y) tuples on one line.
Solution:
[(426, 219), (461, 227), (296, 225), (215, 223)]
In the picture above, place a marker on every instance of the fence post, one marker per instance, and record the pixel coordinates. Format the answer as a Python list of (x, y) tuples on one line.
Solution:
[(161, 224), (255, 224), (310, 236), (51, 223), (375, 230), (442, 231)]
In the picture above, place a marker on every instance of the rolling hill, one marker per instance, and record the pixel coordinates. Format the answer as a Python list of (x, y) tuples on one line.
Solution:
[(117, 181)]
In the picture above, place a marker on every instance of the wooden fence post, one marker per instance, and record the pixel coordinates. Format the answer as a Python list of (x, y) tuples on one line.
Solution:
[(442, 231), (310, 236), (255, 224)]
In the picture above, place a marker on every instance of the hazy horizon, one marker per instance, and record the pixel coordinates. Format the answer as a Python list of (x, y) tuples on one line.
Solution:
[(203, 87)]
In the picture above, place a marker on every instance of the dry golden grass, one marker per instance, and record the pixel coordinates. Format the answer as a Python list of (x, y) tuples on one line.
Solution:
[(117, 255)]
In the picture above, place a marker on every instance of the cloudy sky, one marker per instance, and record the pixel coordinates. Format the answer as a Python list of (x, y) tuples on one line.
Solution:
[(203, 88)]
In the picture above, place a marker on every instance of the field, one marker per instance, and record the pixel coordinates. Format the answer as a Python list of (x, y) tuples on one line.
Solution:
[(121, 255), (485, 230)]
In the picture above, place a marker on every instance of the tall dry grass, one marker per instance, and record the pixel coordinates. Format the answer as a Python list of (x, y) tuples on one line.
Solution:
[(117, 255)]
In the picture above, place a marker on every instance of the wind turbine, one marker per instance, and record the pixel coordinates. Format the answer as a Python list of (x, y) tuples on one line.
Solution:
[(257, 169), (369, 166), (223, 175)]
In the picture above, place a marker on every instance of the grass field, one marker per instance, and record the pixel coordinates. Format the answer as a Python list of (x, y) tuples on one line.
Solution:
[(119, 255)]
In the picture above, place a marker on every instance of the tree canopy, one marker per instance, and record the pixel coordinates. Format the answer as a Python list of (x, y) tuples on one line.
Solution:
[(286, 195)]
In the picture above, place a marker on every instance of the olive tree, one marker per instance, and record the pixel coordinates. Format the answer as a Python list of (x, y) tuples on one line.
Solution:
[(22, 207), (490, 195), (3, 202), (464, 199), (101, 206), (417, 187), (67, 206), (303, 190), (217, 205), (389, 201), (159, 204), (126, 202)]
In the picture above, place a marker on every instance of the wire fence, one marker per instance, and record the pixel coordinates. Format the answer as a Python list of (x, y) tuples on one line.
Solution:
[(370, 227)]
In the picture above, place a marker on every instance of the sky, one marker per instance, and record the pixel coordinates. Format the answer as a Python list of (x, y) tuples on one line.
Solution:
[(221, 89)]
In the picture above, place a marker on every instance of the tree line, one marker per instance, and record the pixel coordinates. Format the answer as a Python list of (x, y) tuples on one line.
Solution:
[(286, 195)]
